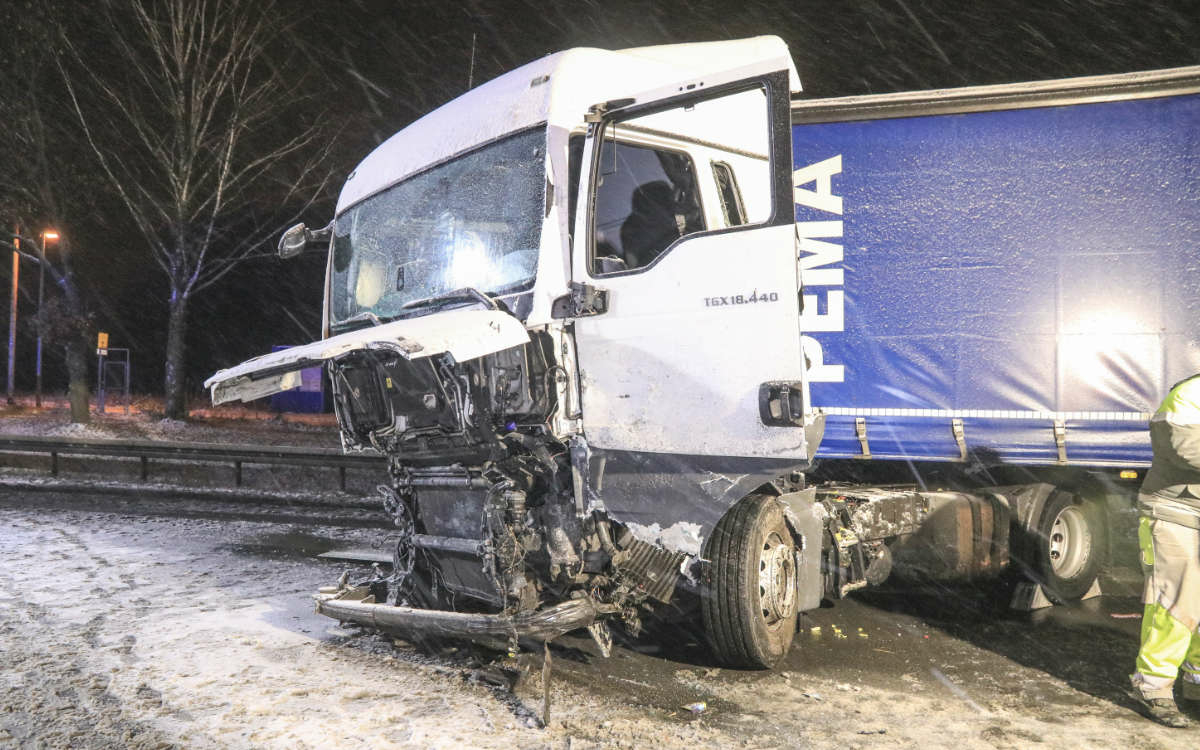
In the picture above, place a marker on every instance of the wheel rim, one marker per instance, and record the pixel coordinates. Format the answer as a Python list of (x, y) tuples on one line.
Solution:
[(1070, 542), (776, 579)]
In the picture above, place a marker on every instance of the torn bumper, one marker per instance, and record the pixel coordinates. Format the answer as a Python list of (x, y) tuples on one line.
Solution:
[(356, 605)]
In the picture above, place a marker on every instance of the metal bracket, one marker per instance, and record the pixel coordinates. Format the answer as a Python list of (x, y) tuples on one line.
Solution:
[(581, 464), (602, 636), (960, 437), (583, 300), (596, 112), (860, 431), (1060, 440)]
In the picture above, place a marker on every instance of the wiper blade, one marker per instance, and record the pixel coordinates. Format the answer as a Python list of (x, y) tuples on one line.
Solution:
[(360, 317), (363, 317), (466, 294)]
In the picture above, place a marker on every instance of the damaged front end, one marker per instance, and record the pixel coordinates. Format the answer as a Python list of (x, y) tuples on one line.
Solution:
[(499, 630), (493, 543)]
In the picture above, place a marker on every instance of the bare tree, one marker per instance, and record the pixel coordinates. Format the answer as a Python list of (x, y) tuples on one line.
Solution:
[(39, 187), (196, 113)]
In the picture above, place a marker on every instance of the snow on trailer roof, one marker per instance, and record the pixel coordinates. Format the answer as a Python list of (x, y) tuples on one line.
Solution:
[(557, 89), (1022, 95)]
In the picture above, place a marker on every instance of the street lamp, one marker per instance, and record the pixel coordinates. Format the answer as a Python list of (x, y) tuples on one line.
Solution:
[(47, 236)]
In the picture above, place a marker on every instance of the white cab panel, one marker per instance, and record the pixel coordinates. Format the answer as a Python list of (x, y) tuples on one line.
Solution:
[(675, 364), (464, 333)]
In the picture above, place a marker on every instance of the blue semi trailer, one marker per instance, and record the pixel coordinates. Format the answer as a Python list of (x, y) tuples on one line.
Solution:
[(1005, 279), (645, 331), (1012, 271)]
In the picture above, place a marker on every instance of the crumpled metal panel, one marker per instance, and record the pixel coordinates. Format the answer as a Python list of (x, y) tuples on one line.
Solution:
[(543, 625), (464, 333)]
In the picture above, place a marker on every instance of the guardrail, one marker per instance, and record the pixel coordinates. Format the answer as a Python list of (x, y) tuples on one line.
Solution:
[(145, 450)]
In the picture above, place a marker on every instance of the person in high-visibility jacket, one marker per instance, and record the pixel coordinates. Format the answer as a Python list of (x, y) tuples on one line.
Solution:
[(1169, 537)]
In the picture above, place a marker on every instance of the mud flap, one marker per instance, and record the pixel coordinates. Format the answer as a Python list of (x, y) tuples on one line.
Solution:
[(1025, 503), (806, 520)]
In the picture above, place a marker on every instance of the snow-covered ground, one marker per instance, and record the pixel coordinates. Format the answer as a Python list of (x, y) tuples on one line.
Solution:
[(236, 424), (147, 623), (134, 627)]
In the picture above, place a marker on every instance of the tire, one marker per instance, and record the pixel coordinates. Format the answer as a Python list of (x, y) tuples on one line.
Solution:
[(1071, 538), (749, 603)]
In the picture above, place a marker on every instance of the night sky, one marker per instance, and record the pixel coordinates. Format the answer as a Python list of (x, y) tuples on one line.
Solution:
[(378, 65)]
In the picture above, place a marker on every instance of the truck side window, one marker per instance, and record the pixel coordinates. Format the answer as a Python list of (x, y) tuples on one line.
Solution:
[(646, 199), (730, 195), (647, 191)]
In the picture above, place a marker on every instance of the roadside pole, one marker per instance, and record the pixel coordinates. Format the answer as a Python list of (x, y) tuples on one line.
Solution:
[(101, 357), (47, 235), (37, 388), (12, 313)]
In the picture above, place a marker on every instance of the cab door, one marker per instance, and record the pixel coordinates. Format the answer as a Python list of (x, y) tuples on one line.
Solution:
[(685, 248)]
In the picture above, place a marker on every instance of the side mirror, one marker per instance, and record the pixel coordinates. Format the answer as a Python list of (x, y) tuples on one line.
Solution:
[(294, 241), (297, 239)]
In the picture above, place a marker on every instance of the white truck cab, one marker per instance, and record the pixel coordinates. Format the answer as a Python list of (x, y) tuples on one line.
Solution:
[(547, 303)]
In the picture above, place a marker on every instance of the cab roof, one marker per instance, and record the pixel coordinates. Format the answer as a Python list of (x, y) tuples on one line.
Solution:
[(556, 91)]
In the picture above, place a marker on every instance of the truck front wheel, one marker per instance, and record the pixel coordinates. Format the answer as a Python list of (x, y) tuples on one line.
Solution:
[(1071, 538), (749, 604)]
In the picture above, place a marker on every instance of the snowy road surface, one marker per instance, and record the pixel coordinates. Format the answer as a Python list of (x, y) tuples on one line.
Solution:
[(154, 623)]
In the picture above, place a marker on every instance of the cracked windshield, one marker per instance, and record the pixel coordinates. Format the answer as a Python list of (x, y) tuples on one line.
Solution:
[(471, 222)]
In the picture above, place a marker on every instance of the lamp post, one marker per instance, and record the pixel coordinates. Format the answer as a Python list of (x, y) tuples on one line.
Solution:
[(47, 235), (12, 312)]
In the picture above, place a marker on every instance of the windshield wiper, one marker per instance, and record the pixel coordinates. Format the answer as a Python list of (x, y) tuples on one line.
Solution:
[(366, 316), (360, 317), (466, 294)]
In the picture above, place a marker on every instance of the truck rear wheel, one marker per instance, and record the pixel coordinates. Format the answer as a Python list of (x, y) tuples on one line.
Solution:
[(1071, 538), (749, 605)]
